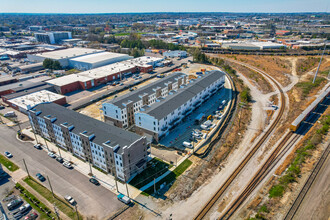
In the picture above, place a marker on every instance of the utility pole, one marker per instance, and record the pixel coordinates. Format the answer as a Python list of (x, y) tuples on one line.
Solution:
[(56, 211), (127, 189), (59, 152), (26, 168), (77, 212), (116, 184), (19, 125), (46, 143), (50, 185), (318, 67), (90, 167)]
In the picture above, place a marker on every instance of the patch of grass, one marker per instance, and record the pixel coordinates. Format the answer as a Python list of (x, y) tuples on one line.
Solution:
[(309, 85), (29, 198), (276, 191), (264, 208), (43, 191), (7, 163), (293, 171), (182, 167), (171, 177), (155, 168)]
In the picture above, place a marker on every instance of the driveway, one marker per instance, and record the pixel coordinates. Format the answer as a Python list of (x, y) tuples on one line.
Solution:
[(92, 200)]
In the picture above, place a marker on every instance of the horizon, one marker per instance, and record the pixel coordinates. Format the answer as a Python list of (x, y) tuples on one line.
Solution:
[(147, 6)]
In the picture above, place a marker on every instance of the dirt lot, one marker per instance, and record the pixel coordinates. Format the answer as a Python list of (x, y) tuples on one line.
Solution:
[(277, 67)]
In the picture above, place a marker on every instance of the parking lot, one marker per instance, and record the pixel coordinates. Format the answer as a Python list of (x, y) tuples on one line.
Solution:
[(182, 132)]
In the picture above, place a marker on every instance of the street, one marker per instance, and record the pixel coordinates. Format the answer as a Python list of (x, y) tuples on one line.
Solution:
[(92, 200)]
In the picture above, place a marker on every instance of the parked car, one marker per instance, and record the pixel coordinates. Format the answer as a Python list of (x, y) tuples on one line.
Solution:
[(94, 181), (10, 114), (40, 177), (15, 203), (70, 199), (124, 199), (121, 84), (38, 146), (60, 159), (67, 165), (7, 154), (24, 208), (52, 155), (187, 144), (2, 107), (31, 216)]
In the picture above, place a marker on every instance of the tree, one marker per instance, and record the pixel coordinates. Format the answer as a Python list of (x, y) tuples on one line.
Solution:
[(51, 64)]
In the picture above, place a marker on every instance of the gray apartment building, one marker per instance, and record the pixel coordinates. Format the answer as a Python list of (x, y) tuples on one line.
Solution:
[(52, 37), (116, 151), (120, 111)]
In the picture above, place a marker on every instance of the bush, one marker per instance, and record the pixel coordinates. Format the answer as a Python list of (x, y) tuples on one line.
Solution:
[(276, 191)]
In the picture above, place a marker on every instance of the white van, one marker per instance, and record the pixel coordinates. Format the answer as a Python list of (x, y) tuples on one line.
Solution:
[(187, 144)]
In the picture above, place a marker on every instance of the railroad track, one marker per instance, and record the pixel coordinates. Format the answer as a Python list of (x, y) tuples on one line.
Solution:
[(205, 150), (262, 140), (292, 211), (286, 143)]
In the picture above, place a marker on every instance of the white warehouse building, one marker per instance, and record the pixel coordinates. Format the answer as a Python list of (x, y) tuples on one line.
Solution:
[(175, 53), (92, 61), (155, 121)]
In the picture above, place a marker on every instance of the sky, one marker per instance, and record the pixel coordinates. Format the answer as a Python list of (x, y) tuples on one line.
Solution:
[(111, 6)]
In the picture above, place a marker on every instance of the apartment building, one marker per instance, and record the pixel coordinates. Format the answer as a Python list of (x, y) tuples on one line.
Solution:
[(120, 111), (156, 121), (114, 150)]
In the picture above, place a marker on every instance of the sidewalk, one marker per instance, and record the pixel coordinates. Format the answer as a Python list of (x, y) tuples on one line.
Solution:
[(107, 181), (18, 176)]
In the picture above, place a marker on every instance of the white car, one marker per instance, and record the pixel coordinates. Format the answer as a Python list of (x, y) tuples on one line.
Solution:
[(67, 165), (51, 154), (70, 199), (187, 144)]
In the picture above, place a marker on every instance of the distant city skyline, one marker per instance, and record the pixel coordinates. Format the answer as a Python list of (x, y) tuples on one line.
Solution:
[(106, 6)]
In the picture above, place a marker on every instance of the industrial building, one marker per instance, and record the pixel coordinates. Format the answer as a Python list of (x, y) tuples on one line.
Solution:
[(92, 61), (23, 85), (156, 120), (253, 46), (80, 58), (63, 56), (95, 77), (120, 111), (118, 152), (52, 37), (175, 53), (26, 102)]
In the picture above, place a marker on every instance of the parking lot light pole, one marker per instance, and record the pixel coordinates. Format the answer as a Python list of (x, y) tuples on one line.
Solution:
[(77, 212), (26, 168), (50, 185)]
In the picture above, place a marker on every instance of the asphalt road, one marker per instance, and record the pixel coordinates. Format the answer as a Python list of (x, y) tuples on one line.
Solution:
[(92, 200)]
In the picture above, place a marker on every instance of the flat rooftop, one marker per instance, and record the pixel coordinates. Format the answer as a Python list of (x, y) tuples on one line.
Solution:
[(18, 86), (99, 57), (173, 101), (72, 78), (68, 53), (148, 89), (33, 99)]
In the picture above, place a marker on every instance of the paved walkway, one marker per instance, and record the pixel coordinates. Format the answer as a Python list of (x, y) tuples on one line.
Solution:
[(107, 181)]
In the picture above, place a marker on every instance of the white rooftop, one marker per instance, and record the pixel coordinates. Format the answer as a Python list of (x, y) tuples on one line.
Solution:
[(99, 57), (68, 53), (30, 100), (64, 80)]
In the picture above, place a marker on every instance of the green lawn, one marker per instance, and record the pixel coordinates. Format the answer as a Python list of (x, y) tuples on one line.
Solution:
[(170, 177), (33, 198), (60, 203), (7, 163), (155, 168)]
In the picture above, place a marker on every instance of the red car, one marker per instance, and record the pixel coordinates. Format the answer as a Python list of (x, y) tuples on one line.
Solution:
[(31, 216)]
